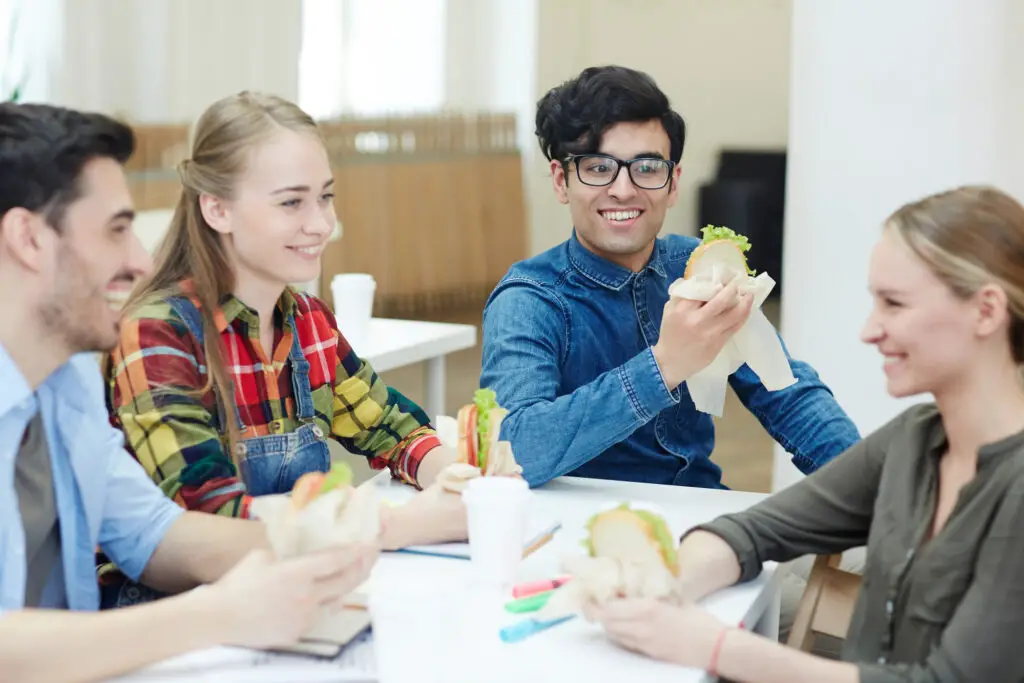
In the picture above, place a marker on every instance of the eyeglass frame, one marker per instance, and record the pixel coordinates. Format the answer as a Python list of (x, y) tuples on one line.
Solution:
[(621, 163)]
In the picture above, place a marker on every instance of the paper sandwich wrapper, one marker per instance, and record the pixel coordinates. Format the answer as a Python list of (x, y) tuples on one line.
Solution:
[(756, 343), (627, 574), (455, 477), (338, 517), (600, 579)]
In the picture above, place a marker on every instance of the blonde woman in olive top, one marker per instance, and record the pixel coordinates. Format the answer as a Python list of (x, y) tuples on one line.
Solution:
[(937, 494)]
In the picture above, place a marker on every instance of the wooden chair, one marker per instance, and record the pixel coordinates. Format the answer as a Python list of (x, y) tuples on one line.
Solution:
[(826, 605)]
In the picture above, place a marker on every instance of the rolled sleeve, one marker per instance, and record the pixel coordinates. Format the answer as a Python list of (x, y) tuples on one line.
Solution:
[(737, 538), (136, 514)]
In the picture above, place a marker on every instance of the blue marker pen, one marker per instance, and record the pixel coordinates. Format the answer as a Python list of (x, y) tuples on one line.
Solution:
[(524, 629)]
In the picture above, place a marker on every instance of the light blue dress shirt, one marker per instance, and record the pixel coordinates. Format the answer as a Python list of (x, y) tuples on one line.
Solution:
[(103, 495)]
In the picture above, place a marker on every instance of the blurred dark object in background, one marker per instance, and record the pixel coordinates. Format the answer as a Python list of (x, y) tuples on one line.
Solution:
[(748, 194)]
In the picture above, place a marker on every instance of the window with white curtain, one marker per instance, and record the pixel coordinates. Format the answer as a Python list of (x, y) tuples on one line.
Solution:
[(369, 57), (321, 82), (30, 34), (12, 50)]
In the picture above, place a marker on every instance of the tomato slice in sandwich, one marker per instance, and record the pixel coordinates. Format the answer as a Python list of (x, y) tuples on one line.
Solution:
[(469, 443)]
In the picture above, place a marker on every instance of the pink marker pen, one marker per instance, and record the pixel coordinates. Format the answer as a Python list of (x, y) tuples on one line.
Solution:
[(534, 587)]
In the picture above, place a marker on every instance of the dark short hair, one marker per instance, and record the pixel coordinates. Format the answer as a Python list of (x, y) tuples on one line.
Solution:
[(572, 117), (43, 150)]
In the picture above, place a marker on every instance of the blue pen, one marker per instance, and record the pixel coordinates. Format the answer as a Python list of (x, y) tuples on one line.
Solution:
[(522, 630)]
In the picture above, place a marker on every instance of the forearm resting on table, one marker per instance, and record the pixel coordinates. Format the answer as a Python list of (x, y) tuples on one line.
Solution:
[(200, 548), (706, 564), (422, 521), (52, 645), (749, 658)]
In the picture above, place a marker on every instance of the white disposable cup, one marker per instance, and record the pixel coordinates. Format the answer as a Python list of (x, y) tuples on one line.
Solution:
[(353, 306), (498, 511)]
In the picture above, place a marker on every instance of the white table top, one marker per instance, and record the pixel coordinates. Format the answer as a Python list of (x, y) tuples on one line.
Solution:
[(576, 649), (451, 611), (394, 343)]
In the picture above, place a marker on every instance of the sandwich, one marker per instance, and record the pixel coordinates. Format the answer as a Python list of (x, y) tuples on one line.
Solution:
[(475, 435), (322, 510), (630, 553), (720, 247), (719, 259), (634, 536), (479, 428), (312, 485)]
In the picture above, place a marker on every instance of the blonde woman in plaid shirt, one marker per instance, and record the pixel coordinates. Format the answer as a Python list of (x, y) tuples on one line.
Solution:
[(227, 382)]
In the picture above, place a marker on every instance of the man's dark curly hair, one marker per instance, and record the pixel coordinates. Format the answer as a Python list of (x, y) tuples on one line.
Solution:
[(572, 117)]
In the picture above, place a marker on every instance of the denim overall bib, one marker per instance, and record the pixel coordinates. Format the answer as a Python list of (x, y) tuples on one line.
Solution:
[(268, 464)]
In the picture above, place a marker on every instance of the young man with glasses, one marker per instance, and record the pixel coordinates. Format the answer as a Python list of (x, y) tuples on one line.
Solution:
[(582, 344)]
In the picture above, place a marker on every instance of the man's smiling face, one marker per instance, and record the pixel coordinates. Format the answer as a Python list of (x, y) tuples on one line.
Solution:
[(619, 221)]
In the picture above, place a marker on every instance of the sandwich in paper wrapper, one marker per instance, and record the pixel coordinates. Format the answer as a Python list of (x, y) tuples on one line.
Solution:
[(475, 435), (719, 260), (630, 553), (323, 510)]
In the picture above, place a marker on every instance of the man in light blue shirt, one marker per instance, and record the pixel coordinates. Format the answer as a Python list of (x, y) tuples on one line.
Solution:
[(68, 257)]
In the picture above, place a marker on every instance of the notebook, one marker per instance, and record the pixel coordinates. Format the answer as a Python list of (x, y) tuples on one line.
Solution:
[(331, 634)]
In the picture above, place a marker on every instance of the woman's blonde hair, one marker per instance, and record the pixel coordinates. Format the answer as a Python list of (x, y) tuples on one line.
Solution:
[(969, 237), (223, 141)]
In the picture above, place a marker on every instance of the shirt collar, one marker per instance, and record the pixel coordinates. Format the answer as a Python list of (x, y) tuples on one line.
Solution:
[(937, 443), (608, 274), (233, 308), (15, 386)]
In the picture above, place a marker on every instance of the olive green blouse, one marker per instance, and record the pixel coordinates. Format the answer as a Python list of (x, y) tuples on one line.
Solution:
[(941, 610)]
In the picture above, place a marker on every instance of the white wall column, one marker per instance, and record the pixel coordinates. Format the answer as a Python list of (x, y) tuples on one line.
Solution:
[(888, 102)]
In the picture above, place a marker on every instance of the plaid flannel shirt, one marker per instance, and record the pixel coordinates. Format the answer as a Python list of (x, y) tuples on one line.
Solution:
[(159, 365)]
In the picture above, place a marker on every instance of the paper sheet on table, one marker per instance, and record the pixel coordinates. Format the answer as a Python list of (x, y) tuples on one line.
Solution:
[(756, 343), (357, 662)]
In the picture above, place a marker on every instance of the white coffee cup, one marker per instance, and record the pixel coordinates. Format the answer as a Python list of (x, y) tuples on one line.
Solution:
[(353, 306), (498, 511)]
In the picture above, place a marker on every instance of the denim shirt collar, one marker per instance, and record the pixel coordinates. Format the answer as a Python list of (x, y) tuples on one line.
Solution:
[(604, 272)]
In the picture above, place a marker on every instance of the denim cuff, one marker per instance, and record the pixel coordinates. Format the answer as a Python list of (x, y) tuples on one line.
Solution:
[(642, 381)]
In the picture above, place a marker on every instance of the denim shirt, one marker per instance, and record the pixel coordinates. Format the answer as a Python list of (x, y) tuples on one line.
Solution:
[(103, 495), (567, 340)]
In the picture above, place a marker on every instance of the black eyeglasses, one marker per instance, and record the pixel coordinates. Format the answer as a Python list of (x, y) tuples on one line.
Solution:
[(598, 170)]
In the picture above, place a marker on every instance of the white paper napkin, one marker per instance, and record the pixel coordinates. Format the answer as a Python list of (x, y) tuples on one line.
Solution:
[(756, 343)]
